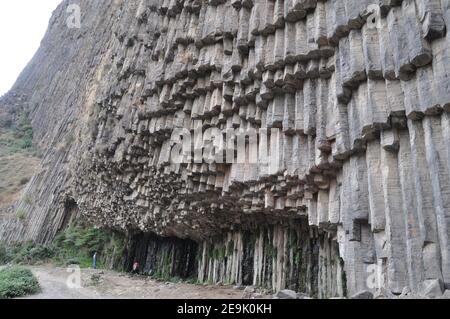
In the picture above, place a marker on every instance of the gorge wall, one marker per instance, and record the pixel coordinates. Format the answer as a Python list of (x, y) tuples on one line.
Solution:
[(357, 105)]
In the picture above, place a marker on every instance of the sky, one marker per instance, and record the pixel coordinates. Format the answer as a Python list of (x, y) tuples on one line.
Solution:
[(22, 26)]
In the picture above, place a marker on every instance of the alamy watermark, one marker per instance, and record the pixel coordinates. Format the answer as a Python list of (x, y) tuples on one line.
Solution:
[(73, 20), (374, 20), (229, 146), (376, 278), (74, 279)]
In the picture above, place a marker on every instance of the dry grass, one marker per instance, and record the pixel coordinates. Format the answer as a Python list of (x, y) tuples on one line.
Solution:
[(15, 172), (18, 160)]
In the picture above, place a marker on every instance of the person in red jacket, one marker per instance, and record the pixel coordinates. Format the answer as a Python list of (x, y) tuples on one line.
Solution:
[(135, 268)]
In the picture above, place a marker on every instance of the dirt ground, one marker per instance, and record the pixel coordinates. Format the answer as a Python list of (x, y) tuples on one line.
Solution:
[(113, 285)]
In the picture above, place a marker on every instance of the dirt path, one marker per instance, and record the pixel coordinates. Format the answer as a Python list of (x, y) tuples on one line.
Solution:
[(112, 285)]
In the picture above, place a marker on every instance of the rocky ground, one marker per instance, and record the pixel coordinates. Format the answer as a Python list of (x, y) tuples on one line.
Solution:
[(98, 284)]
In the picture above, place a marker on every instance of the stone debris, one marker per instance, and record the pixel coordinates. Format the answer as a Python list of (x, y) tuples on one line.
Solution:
[(248, 292), (446, 295), (286, 294), (362, 295), (432, 288), (301, 295), (362, 114), (405, 292), (290, 294)]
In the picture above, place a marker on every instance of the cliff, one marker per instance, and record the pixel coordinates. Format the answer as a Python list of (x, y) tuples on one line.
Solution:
[(352, 106)]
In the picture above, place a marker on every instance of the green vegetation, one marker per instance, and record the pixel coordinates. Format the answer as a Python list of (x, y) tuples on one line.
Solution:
[(18, 137), (76, 245), (17, 282), (164, 269), (4, 254), (27, 253), (21, 214), (193, 281), (27, 199)]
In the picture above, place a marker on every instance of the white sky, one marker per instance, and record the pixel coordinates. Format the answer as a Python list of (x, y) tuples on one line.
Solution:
[(22, 26)]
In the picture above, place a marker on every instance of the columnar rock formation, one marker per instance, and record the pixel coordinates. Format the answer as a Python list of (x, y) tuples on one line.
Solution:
[(358, 90)]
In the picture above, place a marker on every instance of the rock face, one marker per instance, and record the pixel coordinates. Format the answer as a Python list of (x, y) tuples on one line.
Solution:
[(355, 96)]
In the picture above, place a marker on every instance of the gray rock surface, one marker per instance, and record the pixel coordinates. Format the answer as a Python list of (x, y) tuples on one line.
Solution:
[(359, 199)]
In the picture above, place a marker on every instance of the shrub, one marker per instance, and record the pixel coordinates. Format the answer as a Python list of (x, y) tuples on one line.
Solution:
[(27, 198), (74, 246), (23, 181), (72, 261), (21, 214), (24, 132), (17, 282), (17, 137), (41, 253), (30, 253), (77, 244), (5, 256), (95, 279)]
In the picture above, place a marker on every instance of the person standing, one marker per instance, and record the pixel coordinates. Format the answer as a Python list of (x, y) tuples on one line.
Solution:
[(135, 270), (94, 261)]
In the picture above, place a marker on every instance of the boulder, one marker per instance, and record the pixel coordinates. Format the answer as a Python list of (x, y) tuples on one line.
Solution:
[(384, 293), (286, 294), (446, 295), (363, 295), (248, 292), (431, 288), (302, 295)]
